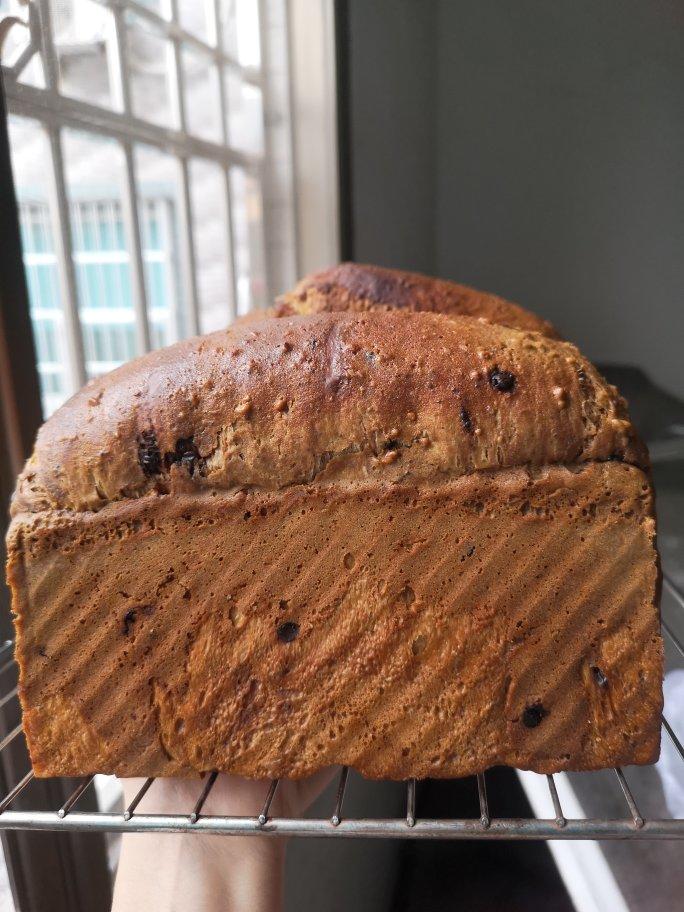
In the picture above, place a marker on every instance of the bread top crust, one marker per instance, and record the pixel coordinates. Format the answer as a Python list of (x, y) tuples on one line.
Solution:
[(359, 287), (327, 397)]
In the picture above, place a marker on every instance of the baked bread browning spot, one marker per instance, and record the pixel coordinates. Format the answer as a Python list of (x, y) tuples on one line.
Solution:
[(361, 288)]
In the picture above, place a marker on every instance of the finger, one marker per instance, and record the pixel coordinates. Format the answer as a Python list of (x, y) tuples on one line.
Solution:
[(299, 794)]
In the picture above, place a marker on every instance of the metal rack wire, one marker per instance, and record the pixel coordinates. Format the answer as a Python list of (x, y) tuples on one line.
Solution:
[(634, 825)]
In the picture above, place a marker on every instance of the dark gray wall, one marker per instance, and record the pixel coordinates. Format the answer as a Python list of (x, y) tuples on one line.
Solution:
[(534, 149), (393, 67)]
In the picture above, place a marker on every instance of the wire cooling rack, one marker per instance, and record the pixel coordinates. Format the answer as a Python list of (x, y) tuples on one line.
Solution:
[(634, 825)]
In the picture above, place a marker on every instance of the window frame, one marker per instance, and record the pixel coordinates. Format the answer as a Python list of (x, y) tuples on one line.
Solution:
[(272, 170), (299, 180), (43, 869)]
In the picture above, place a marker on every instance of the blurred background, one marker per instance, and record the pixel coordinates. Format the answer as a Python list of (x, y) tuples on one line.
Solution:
[(533, 149), (168, 165)]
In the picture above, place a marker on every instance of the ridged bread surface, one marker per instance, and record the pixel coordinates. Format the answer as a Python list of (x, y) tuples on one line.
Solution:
[(502, 617)]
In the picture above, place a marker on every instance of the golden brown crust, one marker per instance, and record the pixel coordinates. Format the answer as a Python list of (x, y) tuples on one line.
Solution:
[(359, 287), (419, 544), (326, 397), (405, 630)]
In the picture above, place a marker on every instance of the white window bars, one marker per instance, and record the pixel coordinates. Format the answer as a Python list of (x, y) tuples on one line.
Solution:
[(144, 106)]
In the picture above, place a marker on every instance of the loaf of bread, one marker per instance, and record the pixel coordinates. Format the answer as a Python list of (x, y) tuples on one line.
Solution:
[(412, 543), (358, 287)]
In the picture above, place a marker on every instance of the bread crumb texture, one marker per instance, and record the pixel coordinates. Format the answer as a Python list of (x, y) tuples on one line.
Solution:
[(406, 630)]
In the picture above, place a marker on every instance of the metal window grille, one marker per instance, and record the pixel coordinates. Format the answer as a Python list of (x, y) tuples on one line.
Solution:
[(148, 124), (102, 275)]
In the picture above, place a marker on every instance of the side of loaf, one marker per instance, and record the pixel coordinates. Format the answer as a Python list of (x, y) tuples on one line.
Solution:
[(427, 630), (414, 544)]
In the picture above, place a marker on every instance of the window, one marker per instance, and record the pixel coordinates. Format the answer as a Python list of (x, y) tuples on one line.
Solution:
[(103, 282), (155, 145), (140, 134)]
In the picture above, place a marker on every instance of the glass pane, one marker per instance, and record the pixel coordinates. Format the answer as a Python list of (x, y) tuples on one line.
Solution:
[(202, 99), (248, 240), (95, 172), (34, 73), (208, 195), (245, 114), (17, 37), (150, 61), (16, 43), (240, 26), (31, 166), (197, 17), (161, 7), (85, 43), (159, 205)]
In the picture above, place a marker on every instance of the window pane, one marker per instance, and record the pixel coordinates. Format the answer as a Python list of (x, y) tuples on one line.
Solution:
[(85, 43), (31, 166), (240, 26), (34, 73), (159, 196), (17, 37), (197, 16), (15, 43), (202, 100), (150, 61), (245, 114), (94, 175), (161, 7), (248, 240), (208, 195)]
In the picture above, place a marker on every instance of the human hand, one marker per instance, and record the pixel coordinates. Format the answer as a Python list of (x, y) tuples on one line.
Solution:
[(229, 796), (166, 872)]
